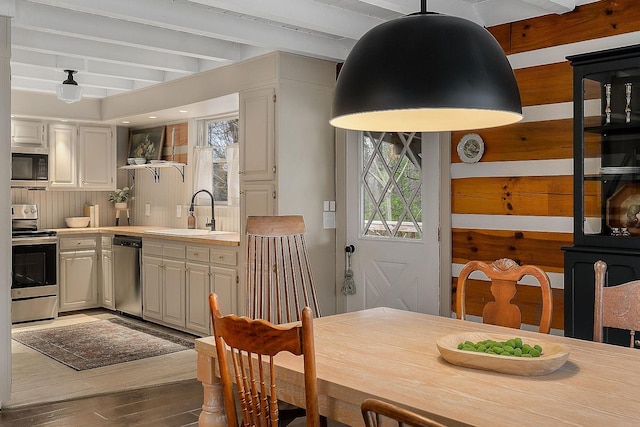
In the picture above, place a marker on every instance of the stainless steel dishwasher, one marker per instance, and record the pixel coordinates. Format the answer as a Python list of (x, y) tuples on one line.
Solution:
[(126, 274)]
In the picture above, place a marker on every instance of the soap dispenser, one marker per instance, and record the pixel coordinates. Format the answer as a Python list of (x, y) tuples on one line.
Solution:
[(191, 220)]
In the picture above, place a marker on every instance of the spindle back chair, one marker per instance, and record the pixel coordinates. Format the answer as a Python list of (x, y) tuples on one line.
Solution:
[(279, 282), (245, 349)]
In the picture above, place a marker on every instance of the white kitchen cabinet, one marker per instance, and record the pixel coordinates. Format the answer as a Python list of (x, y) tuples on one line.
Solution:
[(164, 282), (106, 278), (63, 172), (198, 288), (257, 152), (174, 290), (225, 285), (258, 199), (78, 273), (97, 160), (206, 273), (257, 131), (81, 158), (28, 134), (152, 281)]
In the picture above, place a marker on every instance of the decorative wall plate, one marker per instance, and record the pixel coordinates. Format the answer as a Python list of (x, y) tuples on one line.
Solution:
[(470, 148)]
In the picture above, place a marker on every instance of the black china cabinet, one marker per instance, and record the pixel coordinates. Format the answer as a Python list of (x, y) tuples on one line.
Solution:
[(606, 100)]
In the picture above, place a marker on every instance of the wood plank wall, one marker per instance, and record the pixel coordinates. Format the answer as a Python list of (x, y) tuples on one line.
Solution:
[(517, 202)]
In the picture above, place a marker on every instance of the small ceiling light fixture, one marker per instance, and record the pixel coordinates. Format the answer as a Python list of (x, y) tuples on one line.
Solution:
[(426, 72), (69, 91)]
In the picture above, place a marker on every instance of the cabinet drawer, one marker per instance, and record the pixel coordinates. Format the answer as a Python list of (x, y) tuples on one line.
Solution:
[(173, 251), (220, 256), (195, 253), (106, 242), (150, 247), (72, 243)]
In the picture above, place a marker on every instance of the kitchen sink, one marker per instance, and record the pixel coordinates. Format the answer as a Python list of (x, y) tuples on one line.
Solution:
[(188, 232)]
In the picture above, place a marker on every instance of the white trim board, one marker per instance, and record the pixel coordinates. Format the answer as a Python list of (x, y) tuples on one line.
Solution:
[(551, 224)]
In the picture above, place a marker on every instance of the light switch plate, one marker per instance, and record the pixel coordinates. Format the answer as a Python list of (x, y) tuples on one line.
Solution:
[(178, 211), (147, 209)]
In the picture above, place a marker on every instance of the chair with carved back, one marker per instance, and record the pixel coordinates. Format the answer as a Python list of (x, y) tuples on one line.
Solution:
[(504, 274), (245, 349), (615, 306), (376, 413), (279, 280)]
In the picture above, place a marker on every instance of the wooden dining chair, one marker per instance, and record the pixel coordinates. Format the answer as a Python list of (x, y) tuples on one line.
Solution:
[(279, 280), (375, 411), (245, 349), (615, 306), (504, 275)]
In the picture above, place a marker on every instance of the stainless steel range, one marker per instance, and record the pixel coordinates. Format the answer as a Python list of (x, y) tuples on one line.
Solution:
[(34, 289)]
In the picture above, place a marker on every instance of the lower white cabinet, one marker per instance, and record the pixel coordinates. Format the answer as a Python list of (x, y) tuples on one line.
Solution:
[(78, 273), (173, 293), (203, 279), (178, 278), (163, 283)]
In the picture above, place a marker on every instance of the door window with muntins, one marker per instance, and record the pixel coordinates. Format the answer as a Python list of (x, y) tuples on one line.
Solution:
[(391, 185)]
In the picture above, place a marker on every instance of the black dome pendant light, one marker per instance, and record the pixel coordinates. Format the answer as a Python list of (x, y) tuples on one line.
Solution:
[(426, 72)]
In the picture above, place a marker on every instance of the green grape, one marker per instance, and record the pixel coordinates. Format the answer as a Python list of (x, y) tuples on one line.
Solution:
[(511, 347)]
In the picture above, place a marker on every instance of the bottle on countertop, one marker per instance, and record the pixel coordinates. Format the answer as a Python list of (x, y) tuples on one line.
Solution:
[(191, 220)]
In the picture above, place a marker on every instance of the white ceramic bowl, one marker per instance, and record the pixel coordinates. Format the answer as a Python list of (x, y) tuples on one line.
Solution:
[(77, 221), (131, 161), (140, 160)]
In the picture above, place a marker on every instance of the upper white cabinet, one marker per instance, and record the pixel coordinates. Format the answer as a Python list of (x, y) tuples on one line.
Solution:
[(257, 133), (81, 157), (28, 134), (63, 172), (96, 151)]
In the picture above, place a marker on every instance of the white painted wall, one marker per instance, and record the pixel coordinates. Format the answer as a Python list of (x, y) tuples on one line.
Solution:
[(5, 214)]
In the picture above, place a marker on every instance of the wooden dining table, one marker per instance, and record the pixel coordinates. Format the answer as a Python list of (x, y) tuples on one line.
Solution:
[(392, 355)]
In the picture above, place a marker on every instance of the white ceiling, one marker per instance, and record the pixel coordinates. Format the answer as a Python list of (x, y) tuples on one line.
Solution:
[(122, 45)]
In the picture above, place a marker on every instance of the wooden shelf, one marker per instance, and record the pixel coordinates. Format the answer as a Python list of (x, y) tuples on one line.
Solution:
[(154, 169)]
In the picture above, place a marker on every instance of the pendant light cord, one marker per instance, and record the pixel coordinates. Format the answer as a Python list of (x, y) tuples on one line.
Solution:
[(423, 6)]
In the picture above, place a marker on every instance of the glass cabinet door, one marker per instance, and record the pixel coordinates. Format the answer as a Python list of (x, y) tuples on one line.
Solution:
[(611, 156)]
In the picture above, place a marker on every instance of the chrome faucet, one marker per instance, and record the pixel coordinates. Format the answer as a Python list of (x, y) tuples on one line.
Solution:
[(211, 224)]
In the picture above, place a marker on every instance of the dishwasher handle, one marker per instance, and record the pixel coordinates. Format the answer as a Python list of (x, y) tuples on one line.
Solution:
[(129, 241)]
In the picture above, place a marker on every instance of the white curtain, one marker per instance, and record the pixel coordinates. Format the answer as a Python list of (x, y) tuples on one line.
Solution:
[(233, 176), (203, 173)]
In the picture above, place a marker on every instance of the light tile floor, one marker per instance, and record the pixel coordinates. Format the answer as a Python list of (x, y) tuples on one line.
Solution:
[(37, 378)]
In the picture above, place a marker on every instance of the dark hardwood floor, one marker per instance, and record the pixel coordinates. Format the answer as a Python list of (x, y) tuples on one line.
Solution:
[(169, 405)]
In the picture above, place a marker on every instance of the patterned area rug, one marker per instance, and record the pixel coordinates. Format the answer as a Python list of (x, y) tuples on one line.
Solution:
[(101, 343)]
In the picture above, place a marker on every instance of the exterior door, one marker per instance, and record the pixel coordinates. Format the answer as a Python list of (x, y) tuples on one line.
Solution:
[(392, 211)]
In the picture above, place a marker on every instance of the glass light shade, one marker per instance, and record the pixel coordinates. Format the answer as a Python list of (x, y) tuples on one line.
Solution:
[(426, 73), (69, 93)]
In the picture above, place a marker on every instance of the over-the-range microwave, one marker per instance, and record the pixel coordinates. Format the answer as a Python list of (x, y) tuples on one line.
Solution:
[(29, 168)]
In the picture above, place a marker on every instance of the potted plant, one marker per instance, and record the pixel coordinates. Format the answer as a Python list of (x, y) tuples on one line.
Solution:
[(120, 197)]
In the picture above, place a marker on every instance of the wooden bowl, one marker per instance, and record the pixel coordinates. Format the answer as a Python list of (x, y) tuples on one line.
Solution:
[(553, 355)]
